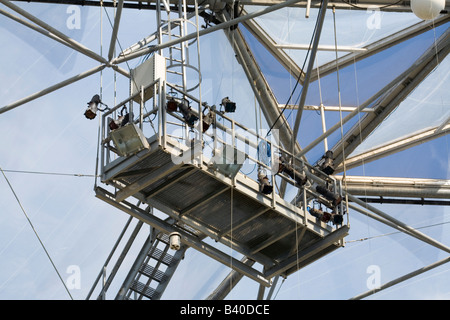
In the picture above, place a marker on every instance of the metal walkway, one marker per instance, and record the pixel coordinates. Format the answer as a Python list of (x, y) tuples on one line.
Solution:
[(231, 210)]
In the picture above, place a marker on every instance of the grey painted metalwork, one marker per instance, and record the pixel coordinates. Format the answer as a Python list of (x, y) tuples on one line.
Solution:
[(217, 203)]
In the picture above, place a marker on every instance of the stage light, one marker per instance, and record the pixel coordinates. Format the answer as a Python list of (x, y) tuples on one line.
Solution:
[(91, 111), (286, 167), (427, 9), (337, 218), (319, 214), (175, 241), (326, 164), (129, 140), (207, 121), (172, 105), (264, 183), (228, 105), (120, 121), (188, 116), (334, 198)]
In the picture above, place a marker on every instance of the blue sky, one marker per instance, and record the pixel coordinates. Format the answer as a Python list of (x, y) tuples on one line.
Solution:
[(50, 134)]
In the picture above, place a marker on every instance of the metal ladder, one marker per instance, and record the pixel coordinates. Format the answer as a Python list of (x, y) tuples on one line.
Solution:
[(175, 26), (152, 270)]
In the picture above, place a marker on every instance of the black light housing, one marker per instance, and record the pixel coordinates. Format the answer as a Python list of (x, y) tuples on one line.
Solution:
[(334, 198), (91, 111), (327, 165), (337, 218), (319, 214), (326, 217), (228, 105), (286, 167), (172, 105), (120, 121), (188, 116), (264, 183), (207, 121)]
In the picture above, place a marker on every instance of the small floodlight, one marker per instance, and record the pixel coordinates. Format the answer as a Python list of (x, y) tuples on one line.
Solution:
[(326, 163), (334, 198), (337, 218), (188, 115), (175, 241), (207, 121), (172, 105), (129, 140), (286, 167), (91, 111), (228, 105), (264, 183), (319, 214), (326, 217), (120, 121)]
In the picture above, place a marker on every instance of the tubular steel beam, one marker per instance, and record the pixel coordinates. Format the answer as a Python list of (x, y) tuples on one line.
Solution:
[(409, 80), (211, 29), (112, 44), (304, 254), (402, 278), (388, 90), (186, 238), (393, 147), (75, 45), (312, 58), (396, 187), (409, 230), (51, 88), (229, 282)]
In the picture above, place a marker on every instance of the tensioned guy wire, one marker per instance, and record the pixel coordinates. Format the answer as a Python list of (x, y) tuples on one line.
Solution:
[(35, 232)]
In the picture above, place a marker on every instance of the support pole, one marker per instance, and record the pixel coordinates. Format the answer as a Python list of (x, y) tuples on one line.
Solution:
[(193, 35), (403, 278), (230, 281), (407, 229), (75, 45), (51, 88), (112, 44), (312, 58)]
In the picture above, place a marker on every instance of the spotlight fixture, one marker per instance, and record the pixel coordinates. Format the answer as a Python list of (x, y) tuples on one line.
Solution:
[(120, 121), (286, 167), (337, 218), (172, 105), (188, 115), (207, 121), (129, 140), (91, 111), (326, 217), (319, 214), (228, 105), (264, 183), (326, 163), (334, 198), (175, 240)]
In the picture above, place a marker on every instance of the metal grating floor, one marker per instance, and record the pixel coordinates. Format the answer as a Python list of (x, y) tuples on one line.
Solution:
[(268, 230)]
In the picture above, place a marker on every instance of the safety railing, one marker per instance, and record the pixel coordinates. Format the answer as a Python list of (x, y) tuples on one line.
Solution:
[(221, 142)]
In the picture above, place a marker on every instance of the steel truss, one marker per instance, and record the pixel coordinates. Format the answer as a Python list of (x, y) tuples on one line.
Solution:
[(388, 99)]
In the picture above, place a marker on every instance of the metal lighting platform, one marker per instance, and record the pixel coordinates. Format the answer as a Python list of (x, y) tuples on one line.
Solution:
[(203, 201)]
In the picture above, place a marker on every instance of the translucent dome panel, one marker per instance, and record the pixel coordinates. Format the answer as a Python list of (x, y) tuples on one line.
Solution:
[(426, 107), (355, 29)]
